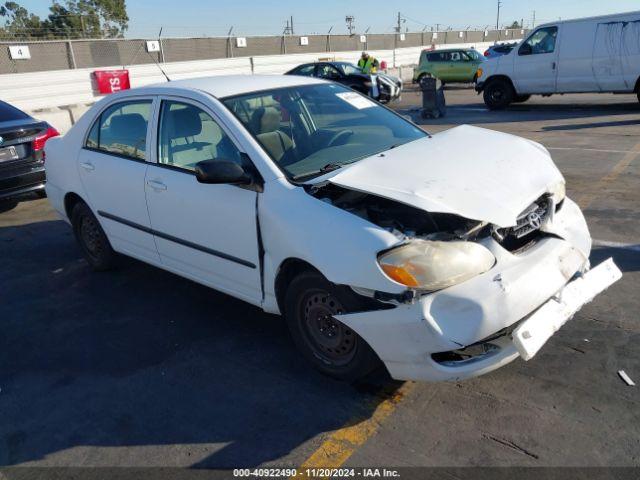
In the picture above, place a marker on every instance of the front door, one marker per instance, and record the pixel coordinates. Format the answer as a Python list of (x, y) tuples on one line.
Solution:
[(535, 63), (205, 232), (112, 166)]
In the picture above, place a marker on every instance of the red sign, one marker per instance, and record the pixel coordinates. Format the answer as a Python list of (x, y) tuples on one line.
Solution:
[(110, 81)]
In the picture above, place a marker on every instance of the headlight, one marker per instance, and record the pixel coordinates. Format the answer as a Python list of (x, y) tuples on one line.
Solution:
[(433, 265), (558, 192), (479, 73)]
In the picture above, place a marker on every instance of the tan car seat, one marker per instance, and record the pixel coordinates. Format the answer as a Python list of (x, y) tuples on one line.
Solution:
[(276, 142)]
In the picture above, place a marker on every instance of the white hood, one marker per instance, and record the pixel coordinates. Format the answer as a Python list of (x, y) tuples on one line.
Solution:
[(473, 172)]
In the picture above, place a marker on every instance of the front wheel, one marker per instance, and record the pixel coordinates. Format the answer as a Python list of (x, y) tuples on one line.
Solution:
[(311, 304), (498, 94)]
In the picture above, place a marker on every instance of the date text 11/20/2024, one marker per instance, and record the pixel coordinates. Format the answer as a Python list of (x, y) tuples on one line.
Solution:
[(316, 472)]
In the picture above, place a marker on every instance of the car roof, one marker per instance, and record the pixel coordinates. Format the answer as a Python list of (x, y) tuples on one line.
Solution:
[(230, 85), (446, 50)]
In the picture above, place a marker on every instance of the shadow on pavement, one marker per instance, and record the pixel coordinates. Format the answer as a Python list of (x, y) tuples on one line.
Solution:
[(141, 357), (627, 259)]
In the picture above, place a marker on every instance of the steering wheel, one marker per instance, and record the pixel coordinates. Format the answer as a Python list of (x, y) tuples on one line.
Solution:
[(341, 135)]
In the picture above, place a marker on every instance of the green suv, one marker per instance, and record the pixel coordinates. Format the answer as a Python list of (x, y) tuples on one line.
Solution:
[(453, 65)]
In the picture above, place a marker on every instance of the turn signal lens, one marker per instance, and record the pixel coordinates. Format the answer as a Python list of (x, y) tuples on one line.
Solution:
[(479, 73), (400, 275), (434, 265)]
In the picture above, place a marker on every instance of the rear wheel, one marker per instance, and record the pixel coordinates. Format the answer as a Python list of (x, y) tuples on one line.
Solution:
[(498, 94), (311, 304), (92, 239)]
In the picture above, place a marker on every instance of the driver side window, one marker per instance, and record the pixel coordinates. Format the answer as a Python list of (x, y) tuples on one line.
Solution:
[(189, 135), (542, 41)]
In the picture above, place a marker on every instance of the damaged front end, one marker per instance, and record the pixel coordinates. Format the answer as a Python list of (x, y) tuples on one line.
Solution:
[(485, 312)]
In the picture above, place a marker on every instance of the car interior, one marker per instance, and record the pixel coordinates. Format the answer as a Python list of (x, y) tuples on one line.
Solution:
[(304, 129)]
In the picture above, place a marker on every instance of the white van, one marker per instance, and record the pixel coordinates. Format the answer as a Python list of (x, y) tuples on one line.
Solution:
[(597, 54)]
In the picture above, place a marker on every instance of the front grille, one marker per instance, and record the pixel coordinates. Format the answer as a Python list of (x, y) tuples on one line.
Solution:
[(532, 218), (526, 232)]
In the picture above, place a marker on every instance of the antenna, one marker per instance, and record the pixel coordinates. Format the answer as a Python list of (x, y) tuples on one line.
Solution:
[(150, 56)]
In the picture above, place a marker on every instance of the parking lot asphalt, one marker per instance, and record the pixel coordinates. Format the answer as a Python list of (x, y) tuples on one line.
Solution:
[(138, 367)]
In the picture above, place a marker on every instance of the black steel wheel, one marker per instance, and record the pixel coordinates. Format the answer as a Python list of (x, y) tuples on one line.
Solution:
[(498, 94), (91, 238), (311, 304)]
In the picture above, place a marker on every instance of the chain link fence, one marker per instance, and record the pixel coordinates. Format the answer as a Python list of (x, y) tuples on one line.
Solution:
[(71, 54)]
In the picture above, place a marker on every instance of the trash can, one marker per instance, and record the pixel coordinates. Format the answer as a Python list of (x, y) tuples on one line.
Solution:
[(433, 102)]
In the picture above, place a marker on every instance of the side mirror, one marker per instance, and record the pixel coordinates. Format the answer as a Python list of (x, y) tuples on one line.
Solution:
[(220, 171), (525, 49)]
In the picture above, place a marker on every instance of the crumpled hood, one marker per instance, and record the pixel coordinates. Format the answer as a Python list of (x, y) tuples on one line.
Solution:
[(473, 172)]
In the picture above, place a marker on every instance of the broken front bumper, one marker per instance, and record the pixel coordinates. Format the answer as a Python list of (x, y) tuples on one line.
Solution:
[(541, 288)]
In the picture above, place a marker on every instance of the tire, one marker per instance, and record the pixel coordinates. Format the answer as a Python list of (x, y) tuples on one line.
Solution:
[(521, 98), (498, 94), (329, 345), (8, 204), (93, 241)]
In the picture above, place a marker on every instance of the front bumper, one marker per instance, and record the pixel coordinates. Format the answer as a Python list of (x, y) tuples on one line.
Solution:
[(519, 288)]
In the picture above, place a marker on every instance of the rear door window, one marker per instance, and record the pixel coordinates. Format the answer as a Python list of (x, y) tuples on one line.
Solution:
[(306, 70), (121, 129), (439, 57)]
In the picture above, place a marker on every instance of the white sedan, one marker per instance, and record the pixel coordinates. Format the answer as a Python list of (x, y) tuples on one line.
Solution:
[(443, 257)]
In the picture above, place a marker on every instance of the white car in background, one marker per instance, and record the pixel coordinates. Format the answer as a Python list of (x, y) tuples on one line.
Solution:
[(377, 241)]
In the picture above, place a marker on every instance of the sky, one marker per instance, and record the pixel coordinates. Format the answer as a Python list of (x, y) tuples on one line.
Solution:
[(254, 17)]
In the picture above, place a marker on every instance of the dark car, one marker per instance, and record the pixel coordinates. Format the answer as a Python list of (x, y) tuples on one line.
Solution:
[(499, 50), (22, 140), (379, 86)]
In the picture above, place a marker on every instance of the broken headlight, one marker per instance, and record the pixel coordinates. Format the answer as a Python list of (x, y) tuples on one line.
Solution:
[(433, 265)]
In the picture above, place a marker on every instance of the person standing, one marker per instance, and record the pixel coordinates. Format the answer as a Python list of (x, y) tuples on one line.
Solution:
[(368, 64)]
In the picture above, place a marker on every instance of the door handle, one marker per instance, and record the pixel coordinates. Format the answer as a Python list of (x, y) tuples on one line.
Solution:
[(156, 185), (553, 65), (87, 166)]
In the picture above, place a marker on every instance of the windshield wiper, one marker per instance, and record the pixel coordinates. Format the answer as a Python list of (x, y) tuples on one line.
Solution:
[(329, 167)]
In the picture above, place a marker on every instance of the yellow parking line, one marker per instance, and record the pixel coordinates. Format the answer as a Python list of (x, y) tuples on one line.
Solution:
[(586, 199), (342, 443)]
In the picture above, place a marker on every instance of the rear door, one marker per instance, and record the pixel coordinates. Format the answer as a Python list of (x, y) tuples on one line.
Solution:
[(112, 166), (535, 63)]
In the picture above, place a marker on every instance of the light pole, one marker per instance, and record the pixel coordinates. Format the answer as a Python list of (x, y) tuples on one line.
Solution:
[(498, 18)]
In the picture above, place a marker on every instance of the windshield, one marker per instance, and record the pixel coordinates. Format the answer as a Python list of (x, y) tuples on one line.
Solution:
[(349, 69), (311, 129)]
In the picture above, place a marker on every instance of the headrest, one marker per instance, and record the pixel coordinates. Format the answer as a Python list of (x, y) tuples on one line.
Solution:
[(185, 122), (270, 120), (128, 125)]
